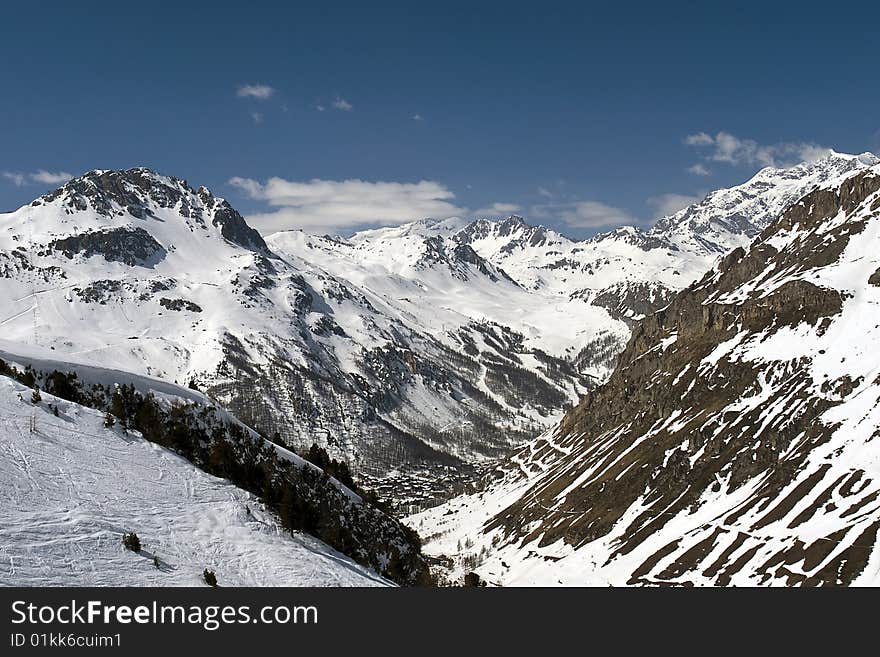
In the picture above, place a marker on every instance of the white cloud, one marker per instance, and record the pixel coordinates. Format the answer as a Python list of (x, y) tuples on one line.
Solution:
[(257, 117), (250, 187), (699, 139), (258, 91), (593, 214), (730, 149), (342, 104), (40, 176), (699, 170), (328, 205), (50, 178), (666, 204), (320, 107), (543, 191), (498, 210), (417, 117)]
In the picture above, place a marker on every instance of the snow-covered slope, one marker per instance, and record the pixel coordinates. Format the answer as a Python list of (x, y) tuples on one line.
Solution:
[(72, 487), (444, 289), (735, 443)]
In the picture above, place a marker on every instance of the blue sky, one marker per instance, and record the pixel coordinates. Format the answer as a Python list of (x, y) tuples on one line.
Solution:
[(334, 116)]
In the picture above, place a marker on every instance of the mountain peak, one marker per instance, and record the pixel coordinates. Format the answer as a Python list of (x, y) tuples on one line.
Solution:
[(515, 220), (727, 218), (142, 193), (510, 233), (105, 190), (867, 158)]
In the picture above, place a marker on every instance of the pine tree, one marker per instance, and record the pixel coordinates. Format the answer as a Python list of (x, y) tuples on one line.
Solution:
[(36, 398), (209, 577), (131, 542), (117, 405)]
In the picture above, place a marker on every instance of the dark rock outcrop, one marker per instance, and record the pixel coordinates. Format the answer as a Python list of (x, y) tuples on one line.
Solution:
[(131, 246)]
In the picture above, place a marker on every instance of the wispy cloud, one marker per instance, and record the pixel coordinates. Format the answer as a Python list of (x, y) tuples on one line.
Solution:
[(594, 214), (583, 214), (498, 210), (257, 117), (591, 214), (17, 179), (699, 170), (50, 178), (258, 91), (417, 117), (699, 139), (729, 149), (342, 104), (40, 176), (328, 205)]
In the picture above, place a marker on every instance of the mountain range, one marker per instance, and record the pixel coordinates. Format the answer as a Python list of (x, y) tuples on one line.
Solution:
[(415, 353), (703, 392), (735, 443)]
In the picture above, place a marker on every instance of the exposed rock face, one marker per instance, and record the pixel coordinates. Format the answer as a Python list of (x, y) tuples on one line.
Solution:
[(232, 225), (630, 271), (132, 246), (736, 440), (179, 305), (630, 302), (716, 223), (514, 227), (454, 256), (644, 240), (100, 291)]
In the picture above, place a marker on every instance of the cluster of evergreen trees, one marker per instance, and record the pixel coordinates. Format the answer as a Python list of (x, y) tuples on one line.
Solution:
[(338, 469)]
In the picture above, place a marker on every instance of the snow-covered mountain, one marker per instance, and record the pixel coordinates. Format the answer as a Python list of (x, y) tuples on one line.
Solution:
[(582, 295), (413, 352), (735, 442), (730, 218), (140, 272), (92, 453), (631, 272)]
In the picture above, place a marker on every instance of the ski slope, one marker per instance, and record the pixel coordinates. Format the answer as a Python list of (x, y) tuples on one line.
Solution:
[(72, 487)]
